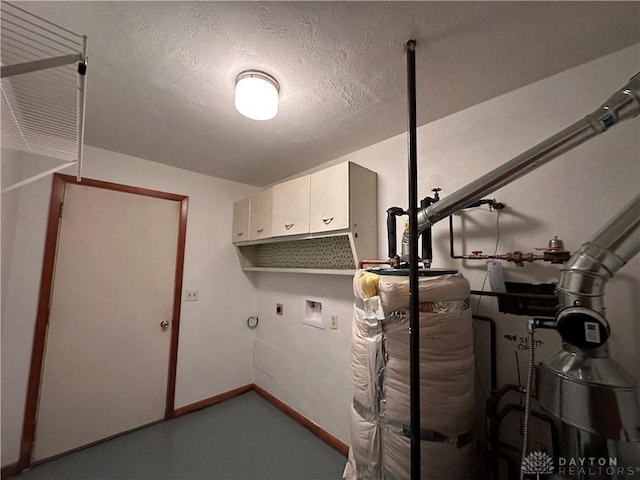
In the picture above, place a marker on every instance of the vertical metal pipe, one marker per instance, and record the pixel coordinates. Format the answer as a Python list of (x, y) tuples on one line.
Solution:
[(493, 350), (424, 203), (81, 104), (426, 238), (414, 322)]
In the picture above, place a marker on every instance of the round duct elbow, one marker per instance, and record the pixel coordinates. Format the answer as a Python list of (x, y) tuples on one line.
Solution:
[(582, 327), (583, 280)]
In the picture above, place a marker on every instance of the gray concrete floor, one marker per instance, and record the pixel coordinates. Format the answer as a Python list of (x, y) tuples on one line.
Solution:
[(242, 438)]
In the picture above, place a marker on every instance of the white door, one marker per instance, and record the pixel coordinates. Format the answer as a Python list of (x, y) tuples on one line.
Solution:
[(107, 356)]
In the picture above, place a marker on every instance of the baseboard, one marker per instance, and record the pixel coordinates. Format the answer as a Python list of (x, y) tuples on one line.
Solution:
[(10, 470), (318, 431), (207, 402)]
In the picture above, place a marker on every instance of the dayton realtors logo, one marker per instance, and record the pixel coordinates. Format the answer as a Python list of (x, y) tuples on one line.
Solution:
[(594, 467), (537, 463)]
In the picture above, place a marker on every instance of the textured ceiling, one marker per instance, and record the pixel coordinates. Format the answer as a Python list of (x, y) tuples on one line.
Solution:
[(161, 74)]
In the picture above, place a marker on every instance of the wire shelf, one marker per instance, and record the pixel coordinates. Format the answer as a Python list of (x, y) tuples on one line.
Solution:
[(43, 86)]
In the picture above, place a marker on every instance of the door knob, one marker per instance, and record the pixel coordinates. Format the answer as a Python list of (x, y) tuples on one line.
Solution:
[(164, 324)]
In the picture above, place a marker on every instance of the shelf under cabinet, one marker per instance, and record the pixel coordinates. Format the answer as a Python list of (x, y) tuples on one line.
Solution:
[(300, 270), (335, 254)]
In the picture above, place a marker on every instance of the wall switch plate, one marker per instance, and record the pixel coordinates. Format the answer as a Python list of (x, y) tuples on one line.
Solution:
[(279, 309), (191, 295), (334, 322)]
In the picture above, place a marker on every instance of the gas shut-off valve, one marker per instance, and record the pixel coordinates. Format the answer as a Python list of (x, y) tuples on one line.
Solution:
[(554, 253)]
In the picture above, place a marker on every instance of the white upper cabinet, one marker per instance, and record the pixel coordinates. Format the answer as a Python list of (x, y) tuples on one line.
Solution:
[(291, 207), (260, 219), (341, 197), (329, 199), (325, 222), (241, 220)]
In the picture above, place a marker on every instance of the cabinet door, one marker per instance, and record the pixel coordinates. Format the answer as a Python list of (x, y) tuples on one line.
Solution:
[(260, 215), (241, 220), (329, 199), (291, 207)]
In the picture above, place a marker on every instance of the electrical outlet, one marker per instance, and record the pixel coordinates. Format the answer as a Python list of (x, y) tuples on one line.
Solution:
[(279, 309), (334, 322), (191, 295)]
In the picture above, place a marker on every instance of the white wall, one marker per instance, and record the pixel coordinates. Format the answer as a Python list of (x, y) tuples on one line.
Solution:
[(311, 368), (214, 353), (571, 197)]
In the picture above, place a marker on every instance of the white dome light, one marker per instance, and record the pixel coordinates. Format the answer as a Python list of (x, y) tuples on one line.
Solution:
[(257, 95)]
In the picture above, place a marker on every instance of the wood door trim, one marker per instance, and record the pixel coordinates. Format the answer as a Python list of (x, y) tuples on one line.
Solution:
[(46, 282), (39, 335), (10, 470), (88, 182), (175, 323)]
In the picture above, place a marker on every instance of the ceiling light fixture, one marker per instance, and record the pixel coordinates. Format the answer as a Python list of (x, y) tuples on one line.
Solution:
[(257, 95)]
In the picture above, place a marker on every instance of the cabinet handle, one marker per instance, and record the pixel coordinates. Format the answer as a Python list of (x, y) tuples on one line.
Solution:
[(260, 230), (240, 234), (326, 220), (288, 226)]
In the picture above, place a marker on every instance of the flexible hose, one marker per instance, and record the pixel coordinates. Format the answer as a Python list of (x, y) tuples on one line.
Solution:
[(527, 399)]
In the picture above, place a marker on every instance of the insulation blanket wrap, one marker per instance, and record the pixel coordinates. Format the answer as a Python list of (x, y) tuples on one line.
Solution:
[(380, 433)]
